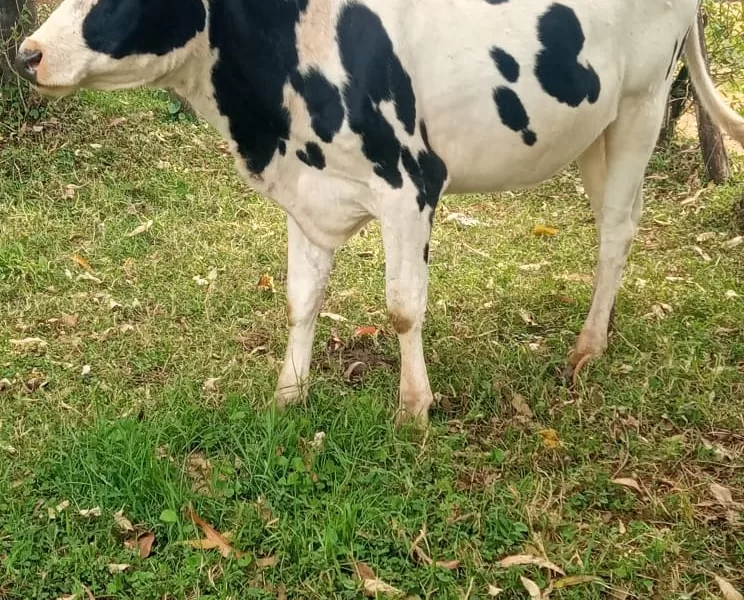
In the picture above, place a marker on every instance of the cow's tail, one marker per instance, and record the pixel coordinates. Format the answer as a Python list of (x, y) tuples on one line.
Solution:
[(721, 113)]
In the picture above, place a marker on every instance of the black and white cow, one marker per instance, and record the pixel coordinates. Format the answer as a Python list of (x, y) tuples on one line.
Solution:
[(343, 111)]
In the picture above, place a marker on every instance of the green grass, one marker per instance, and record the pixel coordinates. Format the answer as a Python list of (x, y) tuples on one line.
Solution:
[(139, 433)]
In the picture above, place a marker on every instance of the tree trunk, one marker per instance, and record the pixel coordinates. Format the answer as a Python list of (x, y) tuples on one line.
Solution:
[(679, 95), (711, 139), (16, 18)]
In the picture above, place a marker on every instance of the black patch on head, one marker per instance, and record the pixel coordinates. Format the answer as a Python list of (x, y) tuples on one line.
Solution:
[(323, 101), (506, 63), (375, 75), (312, 156), (257, 55), (513, 114), (426, 253), (427, 172), (497, 1), (122, 28), (557, 68)]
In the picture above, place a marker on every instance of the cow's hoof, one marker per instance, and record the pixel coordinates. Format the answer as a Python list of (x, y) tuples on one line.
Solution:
[(287, 396), (574, 366), (419, 420)]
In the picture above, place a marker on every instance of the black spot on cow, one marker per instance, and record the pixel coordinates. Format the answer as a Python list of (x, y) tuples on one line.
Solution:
[(427, 172), (122, 28), (257, 48), (497, 1), (312, 156), (513, 114), (557, 67), (323, 101), (506, 64), (375, 75), (426, 253)]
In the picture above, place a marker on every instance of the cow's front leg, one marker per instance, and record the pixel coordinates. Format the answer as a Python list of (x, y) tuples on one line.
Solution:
[(307, 275), (406, 238)]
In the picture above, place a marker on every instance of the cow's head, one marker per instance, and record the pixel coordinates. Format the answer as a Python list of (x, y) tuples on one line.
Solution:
[(110, 44)]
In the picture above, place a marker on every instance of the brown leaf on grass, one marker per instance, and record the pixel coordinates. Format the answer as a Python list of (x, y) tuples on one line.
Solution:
[(267, 561), (266, 283), (629, 483), (545, 230), (210, 385), (81, 261), (733, 242), (550, 439), (68, 321), (423, 557), (371, 584), (575, 580), (354, 372), (213, 536), (5, 384), (29, 342), (332, 317), (494, 591), (532, 588), (530, 559), (368, 330), (144, 544), (115, 568), (576, 277), (144, 227), (519, 403), (722, 495), (124, 524), (281, 592), (729, 591), (527, 317)]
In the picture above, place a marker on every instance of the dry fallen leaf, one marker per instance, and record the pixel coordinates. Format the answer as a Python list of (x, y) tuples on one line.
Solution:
[(122, 522), (705, 237), (533, 266), (731, 294), (701, 253), (62, 506), (373, 586), (368, 330), (530, 559), (519, 403), (332, 316), (213, 536), (87, 276), (574, 580), (141, 229), (114, 568), (544, 230), (550, 439), (532, 589), (628, 482), (462, 220), (82, 262), (266, 283), (268, 561), (493, 591), (29, 342), (722, 495), (733, 242), (5, 384), (210, 385), (729, 591), (527, 317), (144, 544)]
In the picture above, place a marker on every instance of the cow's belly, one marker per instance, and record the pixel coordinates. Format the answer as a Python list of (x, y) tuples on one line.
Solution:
[(484, 156)]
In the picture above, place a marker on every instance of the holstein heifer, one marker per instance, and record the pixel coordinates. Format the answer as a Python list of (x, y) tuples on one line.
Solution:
[(343, 111)]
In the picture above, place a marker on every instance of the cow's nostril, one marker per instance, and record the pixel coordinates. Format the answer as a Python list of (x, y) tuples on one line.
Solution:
[(27, 62)]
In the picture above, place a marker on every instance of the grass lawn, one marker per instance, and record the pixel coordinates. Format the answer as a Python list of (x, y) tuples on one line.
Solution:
[(138, 356)]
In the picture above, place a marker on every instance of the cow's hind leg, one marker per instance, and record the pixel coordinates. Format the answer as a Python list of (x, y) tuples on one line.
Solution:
[(629, 142), (307, 275), (406, 231), (593, 169)]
